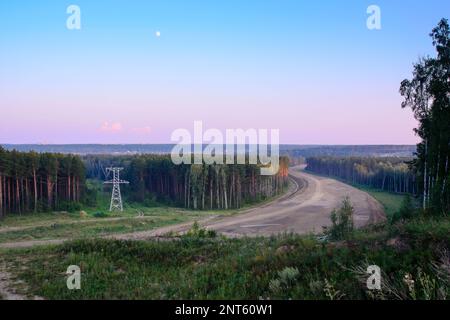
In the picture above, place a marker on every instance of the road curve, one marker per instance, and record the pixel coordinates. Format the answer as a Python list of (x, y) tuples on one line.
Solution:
[(306, 210)]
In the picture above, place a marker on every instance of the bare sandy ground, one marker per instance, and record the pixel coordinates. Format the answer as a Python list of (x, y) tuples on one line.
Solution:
[(304, 209), (6, 293), (7, 285)]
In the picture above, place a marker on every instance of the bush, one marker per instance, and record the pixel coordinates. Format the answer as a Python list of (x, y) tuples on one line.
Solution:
[(342, 221), (100, 214), (150, 202), (91, 194), (69, 206), (198, 232), (285, 280), (406, 210)]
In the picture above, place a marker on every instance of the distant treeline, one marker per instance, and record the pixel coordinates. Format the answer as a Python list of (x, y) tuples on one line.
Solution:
[(286, 150), (349, 151), (192, 186), (35, 182), (388, 174)]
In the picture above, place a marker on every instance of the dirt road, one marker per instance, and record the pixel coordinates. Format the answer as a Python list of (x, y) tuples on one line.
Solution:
[(304, 209)]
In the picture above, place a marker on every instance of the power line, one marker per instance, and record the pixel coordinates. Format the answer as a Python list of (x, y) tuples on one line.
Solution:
[(116, 197)]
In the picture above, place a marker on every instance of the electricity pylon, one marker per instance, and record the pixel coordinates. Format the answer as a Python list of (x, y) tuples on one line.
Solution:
[(116, 198)]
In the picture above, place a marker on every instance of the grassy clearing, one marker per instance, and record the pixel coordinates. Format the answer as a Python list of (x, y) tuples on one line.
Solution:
[(88, 229), (281, 267), (97, 222), (390, 201), (56, 226)]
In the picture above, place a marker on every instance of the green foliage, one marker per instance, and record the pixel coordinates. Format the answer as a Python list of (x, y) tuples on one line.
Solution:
[(406, 211), (428, 96), (94, 222), (150, 202), (197, 232), (100, 214), (391, 202), (330, 291), (69, 206), (391, 174), (32, 182), (284, 281), (197, 186), (92, 193), (342, 221), (249, 268)]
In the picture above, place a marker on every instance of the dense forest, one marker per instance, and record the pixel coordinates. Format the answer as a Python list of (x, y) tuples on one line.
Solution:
[(34, 182), (191, 186), (428, 95), (388, 174)]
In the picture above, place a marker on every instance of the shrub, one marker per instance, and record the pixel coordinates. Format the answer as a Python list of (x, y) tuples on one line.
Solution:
[(406, 210), (285, 280), (342, 221), (150, 202), (100, 214), (69, 206), (198, 232)]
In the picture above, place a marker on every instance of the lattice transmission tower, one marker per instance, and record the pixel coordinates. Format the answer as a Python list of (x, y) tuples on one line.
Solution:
[(116, 197)]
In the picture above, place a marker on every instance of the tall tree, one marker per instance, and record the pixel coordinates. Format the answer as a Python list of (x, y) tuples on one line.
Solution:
[(428, 95)]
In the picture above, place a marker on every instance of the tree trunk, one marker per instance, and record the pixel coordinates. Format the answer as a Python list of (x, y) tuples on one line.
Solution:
[(68, 187), (35, 190), (18, 196), (1, 195), (425, 178), (49, 192)]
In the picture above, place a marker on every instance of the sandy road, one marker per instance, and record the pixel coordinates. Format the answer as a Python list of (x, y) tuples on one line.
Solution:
[(304, 209)]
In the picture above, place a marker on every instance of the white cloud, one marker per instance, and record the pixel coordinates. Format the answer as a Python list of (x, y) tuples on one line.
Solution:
[(111, 127)]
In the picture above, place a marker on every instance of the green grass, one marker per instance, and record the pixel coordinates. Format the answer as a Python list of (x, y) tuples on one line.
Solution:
[(199, 268), (390, 201), (46, 226), (28, 219), (57, 226), (88, 229), (283, 267), (96, 222)]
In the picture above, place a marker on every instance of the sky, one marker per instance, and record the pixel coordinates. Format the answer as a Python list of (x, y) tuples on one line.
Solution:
[(138, 70)]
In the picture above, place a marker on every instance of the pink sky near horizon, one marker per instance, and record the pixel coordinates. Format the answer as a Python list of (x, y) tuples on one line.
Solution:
[(116, 113), (301, 120)]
